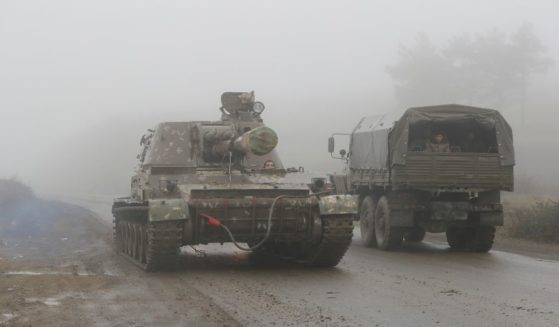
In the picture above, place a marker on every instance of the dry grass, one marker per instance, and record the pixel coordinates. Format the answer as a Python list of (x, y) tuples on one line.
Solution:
[(535, 219)]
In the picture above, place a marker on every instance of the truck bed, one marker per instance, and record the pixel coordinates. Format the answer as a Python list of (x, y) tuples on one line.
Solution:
[(427, 170)]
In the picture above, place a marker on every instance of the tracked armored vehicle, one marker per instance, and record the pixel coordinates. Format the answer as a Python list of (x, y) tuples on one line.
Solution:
[(432, 169), (201, 182)]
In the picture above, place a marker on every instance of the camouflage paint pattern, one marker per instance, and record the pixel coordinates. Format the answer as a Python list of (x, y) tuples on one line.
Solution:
[(167, 209), (338, 204)]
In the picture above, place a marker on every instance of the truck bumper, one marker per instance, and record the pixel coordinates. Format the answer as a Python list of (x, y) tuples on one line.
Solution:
[(446, 212), (488, 214), (491, 218)]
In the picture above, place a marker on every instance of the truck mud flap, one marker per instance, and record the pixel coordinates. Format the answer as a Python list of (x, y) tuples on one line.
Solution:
[(491, 219), (401, 218)]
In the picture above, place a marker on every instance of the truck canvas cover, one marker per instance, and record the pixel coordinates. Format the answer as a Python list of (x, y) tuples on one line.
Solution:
[(369, 142), (376, 138)]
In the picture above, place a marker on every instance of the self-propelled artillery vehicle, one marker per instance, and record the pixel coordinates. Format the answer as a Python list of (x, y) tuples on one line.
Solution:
[(201, 182)]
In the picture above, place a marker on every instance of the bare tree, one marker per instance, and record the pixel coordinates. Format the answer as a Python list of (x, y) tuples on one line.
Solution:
[(530, 57), (420, 73), (491, 69)]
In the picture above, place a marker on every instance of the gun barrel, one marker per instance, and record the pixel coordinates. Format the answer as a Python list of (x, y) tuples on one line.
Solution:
[(259, 141)]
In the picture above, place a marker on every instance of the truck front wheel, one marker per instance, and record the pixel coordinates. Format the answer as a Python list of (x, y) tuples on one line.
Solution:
[(387, 237), (367, 221)]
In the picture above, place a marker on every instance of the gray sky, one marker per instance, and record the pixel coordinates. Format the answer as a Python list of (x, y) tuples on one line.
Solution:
[(81, 80)]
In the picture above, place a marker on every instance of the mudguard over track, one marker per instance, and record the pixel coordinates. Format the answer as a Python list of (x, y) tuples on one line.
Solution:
[(337, 232)]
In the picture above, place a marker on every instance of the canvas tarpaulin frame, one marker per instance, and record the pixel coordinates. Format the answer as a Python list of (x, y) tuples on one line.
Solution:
[(488, 119), (379, 141)]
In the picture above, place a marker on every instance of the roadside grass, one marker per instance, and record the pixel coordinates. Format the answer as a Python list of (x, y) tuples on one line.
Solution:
[(532, 218)]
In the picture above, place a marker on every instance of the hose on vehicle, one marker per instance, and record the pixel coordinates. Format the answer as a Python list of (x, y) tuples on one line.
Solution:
[(212, 221)]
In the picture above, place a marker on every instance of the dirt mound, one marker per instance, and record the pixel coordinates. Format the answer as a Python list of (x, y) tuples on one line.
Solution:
[(31, 227), (12, 191)]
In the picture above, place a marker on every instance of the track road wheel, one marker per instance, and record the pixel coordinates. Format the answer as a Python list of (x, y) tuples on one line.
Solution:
[(457, 238), (163, 245), (367, 221), (150, 245), (481, 239), (388, 238), (415, 235)]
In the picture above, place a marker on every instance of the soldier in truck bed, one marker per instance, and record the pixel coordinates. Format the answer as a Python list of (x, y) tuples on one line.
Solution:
[(422, 142), (438, 143), (472, 143)]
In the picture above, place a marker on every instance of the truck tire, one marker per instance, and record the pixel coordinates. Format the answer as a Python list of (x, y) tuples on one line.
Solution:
[(367, 221), (457, 238), (387, 237), (481, 239), (415, 235)]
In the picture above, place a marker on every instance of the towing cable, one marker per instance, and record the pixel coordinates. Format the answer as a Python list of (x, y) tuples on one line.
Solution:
[(214, 222)]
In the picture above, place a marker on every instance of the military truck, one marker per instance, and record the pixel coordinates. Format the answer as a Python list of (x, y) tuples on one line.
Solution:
[(408, 185), (201, 182)]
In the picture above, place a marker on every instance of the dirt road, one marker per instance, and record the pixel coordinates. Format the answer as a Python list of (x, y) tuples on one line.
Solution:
[(421, 285)]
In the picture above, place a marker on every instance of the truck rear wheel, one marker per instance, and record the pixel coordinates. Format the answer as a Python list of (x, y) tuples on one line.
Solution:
[(367, 221), (415, 235), (387, 237), (481, 239), (457, 238)]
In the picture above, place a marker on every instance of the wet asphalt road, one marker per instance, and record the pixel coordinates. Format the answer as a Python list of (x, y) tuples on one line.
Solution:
[(421, 285)]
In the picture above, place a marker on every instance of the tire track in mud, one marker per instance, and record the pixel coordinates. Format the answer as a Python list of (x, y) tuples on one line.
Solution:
[(258, 304), (81, 281), (422, 284), (158, 300), (145, 299)]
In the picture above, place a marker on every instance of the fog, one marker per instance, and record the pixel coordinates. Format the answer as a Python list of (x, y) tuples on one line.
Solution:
[(80, 81)]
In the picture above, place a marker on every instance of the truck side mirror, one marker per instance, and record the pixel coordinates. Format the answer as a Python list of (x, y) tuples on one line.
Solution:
[(331, 144)]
